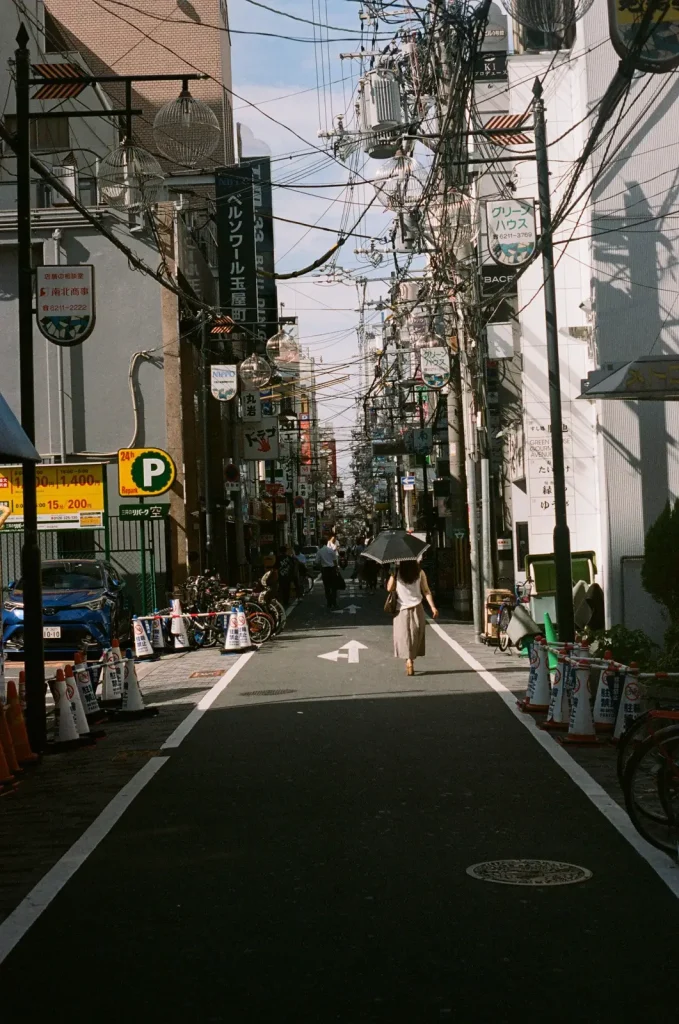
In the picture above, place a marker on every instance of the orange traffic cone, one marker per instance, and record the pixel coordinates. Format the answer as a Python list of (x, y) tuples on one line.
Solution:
[(6, 744), (17, 727), (6, 777)]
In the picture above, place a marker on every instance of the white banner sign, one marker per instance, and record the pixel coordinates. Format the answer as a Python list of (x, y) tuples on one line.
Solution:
[(511, 230), (252, 406), (223, 382), (435, 365), (260, 441)]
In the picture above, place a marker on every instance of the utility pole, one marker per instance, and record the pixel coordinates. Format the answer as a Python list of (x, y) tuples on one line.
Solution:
[(423, 458), (562, 540), (34, 657), (207, 496)]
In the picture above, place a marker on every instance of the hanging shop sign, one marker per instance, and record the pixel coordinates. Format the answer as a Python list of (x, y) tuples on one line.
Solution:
[(496, 279), (490, 67), (143, 511), (267, 298), (260, 441), (224, 382), (408, 483), (435, 366), (65, 303), (511, 230), (69, 497), (144, 471), (235, 213), (627, 21), (251, 406)]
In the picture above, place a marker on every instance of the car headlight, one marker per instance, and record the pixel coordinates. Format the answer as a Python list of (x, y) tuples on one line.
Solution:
[(11, 606), (94, 606)]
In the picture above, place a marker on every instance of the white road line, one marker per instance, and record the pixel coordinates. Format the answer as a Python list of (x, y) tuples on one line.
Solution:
[(663, 866), (14, 927), (185, 727)]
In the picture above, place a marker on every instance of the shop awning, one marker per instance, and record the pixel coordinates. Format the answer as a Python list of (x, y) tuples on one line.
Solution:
[(650, 378), (14, 443)]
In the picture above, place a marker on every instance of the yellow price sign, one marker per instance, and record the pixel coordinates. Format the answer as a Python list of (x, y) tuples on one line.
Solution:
[(144, 471), (69, 497)]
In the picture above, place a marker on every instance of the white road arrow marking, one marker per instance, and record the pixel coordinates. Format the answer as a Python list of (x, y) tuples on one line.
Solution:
[(351, 608), (348, 651)]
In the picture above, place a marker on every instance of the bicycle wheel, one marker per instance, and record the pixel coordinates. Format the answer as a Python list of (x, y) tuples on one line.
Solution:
[(651, 787), (279, 610), (261, 627), (206, 632), (502, 625), (640, 729)]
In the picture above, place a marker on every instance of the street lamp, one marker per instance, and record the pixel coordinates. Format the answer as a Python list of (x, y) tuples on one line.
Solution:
[(130, 177), (282, 349), (186, 130), (255, 371)]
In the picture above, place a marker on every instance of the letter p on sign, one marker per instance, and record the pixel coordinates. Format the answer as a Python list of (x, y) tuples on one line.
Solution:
[(144, 471)]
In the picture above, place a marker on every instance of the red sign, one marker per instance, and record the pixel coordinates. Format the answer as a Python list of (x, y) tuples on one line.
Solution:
[(278, 489), (305, 442)]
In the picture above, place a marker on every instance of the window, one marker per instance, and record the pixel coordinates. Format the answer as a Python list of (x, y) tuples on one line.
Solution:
[(56, 40), (47, 133), (522, 548)]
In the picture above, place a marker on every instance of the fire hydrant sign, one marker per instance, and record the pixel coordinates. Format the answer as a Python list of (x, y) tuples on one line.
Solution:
[(144, 471), (70, 497), (65, 303)]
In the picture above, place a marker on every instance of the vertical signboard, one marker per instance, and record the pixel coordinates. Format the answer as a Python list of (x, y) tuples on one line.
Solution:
[(267, 296), (305, 446), (236, 239), (251, 406)]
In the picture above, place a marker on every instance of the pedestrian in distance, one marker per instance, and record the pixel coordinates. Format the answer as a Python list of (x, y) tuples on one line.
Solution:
[(285, 575), (411, 586), (327, 559)]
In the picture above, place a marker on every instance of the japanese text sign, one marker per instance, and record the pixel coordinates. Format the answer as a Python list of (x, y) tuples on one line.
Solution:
[(260, 440), (511, 230), (65, 303)]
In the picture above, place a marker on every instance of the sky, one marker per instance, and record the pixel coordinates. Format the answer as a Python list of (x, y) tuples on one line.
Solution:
[(265, 72)]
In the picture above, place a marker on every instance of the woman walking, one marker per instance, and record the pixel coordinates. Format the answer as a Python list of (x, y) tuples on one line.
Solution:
[(410, 584)]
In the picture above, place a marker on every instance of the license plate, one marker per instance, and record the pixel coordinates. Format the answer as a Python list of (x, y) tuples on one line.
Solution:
[(51, 632)]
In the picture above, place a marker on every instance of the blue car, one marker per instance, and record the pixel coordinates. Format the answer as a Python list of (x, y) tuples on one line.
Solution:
[(84, 608)]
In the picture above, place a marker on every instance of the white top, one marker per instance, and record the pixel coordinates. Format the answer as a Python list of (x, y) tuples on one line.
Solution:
[(326, 557), (409, 594), (332, 545)]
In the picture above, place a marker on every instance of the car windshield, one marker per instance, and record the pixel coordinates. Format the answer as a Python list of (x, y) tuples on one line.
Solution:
[(70, 576)]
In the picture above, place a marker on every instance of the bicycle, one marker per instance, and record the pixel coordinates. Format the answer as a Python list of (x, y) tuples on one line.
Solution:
[(522, 592), (651, 784)]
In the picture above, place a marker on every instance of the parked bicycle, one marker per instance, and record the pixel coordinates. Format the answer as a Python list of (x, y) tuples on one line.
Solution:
[(521, 595)]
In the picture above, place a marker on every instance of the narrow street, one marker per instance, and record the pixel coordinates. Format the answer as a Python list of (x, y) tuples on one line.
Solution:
[(302, 855)]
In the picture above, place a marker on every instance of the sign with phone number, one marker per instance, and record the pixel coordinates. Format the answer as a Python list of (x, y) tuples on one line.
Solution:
[(69, 497)]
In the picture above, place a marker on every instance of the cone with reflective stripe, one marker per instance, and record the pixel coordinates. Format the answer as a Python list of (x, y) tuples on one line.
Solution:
[(244, 638), (532, 674), (17, 726), (540, 698), (581, 729), (133, 702), (88, 697), (73, 694), (231, 637), (117, 660), (6, 745), (630, 702), (178, 627), (604, 705), (142, 644), (111, 687), (157, 634), (558, 714), (66, 734)]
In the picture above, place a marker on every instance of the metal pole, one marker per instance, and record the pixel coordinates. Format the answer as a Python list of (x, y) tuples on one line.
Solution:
[(34, 658), (474, 552), (56, 235), (562, 540), (274, 505), (486, 538), (207, 497), (423, 458), (142, 561)]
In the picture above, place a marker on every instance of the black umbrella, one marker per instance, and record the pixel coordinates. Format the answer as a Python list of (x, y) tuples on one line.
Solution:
[(395, 546)]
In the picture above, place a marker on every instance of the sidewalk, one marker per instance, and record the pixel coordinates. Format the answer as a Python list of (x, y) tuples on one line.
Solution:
[(512, 672), (60, 797)]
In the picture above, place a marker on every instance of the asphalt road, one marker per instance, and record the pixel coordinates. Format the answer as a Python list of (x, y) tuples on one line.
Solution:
[(302, 856)]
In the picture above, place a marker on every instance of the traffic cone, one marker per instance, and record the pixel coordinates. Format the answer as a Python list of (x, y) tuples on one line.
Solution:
[(542, 688), (157, 633), (142, 644), (117, 659), (558, 713), (244, 638), (66, 736), (17, 727), (133, 702), (630, 702), (581, 729), (6, 777), (231, 638), (178, 627), (6, 745), (88, 697), (73, 694), (532, 675), (111, 687), (604, 705)]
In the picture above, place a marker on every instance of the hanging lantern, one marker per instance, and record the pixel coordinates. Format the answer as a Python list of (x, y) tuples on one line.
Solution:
[(399, 183), (130, 178), (255, 371), (553, 17), (186, 130), (282, 349)]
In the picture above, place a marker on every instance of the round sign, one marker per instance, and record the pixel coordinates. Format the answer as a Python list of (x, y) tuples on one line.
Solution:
[(299, 502), (144, 471)]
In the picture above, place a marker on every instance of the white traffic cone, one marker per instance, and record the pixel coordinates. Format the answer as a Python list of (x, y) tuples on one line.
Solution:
[(157, 634), (88, 698), (532, 674), (117, 660), (178, 627), (244, 638), (142, 644), (133, 702), (111, 688), (231, 638), (66, 733), (581, 726), (630, 702), (542, 687), (604, 705), (73, 695), (558, 713)]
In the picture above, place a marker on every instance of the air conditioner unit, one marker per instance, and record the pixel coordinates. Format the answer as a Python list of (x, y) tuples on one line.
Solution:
[(68, 176)]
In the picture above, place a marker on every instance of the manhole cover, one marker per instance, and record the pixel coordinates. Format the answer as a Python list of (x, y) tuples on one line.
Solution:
[(264, 693), (529, 872)]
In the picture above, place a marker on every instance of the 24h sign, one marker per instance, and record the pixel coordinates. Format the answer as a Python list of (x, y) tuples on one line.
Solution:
[(144, 471)]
